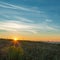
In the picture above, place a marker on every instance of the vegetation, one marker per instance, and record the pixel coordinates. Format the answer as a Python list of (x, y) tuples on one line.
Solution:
[(27, 50), (12, 53)]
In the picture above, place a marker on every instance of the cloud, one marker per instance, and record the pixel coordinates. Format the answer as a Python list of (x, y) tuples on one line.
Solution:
[(48, 20), (6, 5), (18, 27), (44, 27), (23, 19), (26, 20), (14, 26), (11, 6), (17, 18)]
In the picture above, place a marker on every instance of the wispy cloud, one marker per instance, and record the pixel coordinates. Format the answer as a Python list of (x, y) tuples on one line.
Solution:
[(11, 6), (6, 5), (23, 19), (13, 20), (16, 26), (17, 18), (48, 20), (12, 25)]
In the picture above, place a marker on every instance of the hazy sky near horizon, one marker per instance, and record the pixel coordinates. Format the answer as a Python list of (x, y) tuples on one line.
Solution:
[(30, 19)]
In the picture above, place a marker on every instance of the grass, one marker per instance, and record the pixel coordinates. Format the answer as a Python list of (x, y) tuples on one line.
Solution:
[(28, 50), (12, 53)]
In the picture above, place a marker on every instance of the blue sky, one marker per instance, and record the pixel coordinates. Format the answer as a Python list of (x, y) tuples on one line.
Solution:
[(30, 16)]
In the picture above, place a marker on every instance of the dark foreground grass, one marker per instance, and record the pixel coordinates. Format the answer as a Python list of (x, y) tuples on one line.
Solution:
[(29, 51), (12, 53)]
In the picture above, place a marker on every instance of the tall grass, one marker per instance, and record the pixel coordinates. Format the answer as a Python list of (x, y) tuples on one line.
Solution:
[(13, 53)]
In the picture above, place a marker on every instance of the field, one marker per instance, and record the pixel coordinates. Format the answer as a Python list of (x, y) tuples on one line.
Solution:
[(28, 50)]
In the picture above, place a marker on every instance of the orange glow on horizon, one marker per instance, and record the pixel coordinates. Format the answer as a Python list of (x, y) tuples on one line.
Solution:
[(15, 39), (32, 37)]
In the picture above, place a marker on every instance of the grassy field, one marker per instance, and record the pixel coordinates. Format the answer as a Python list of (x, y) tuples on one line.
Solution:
[(28, 50)]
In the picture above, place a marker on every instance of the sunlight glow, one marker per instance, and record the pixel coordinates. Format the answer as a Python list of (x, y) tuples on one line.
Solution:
[(15, 39)]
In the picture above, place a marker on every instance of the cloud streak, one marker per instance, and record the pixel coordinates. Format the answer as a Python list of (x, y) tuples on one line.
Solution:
[(11, 6), (16, 26), (29, 21)]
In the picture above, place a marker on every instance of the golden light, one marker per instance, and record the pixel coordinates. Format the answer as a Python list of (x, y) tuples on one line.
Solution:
[(15, 39)]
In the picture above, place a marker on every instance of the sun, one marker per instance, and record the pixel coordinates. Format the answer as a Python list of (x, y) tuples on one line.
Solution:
[(15, 39)]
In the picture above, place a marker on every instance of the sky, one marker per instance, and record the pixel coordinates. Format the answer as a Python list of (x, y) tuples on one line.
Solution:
[(35, 20)]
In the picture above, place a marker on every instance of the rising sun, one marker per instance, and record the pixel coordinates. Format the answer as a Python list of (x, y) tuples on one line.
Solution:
[(15, 39)]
